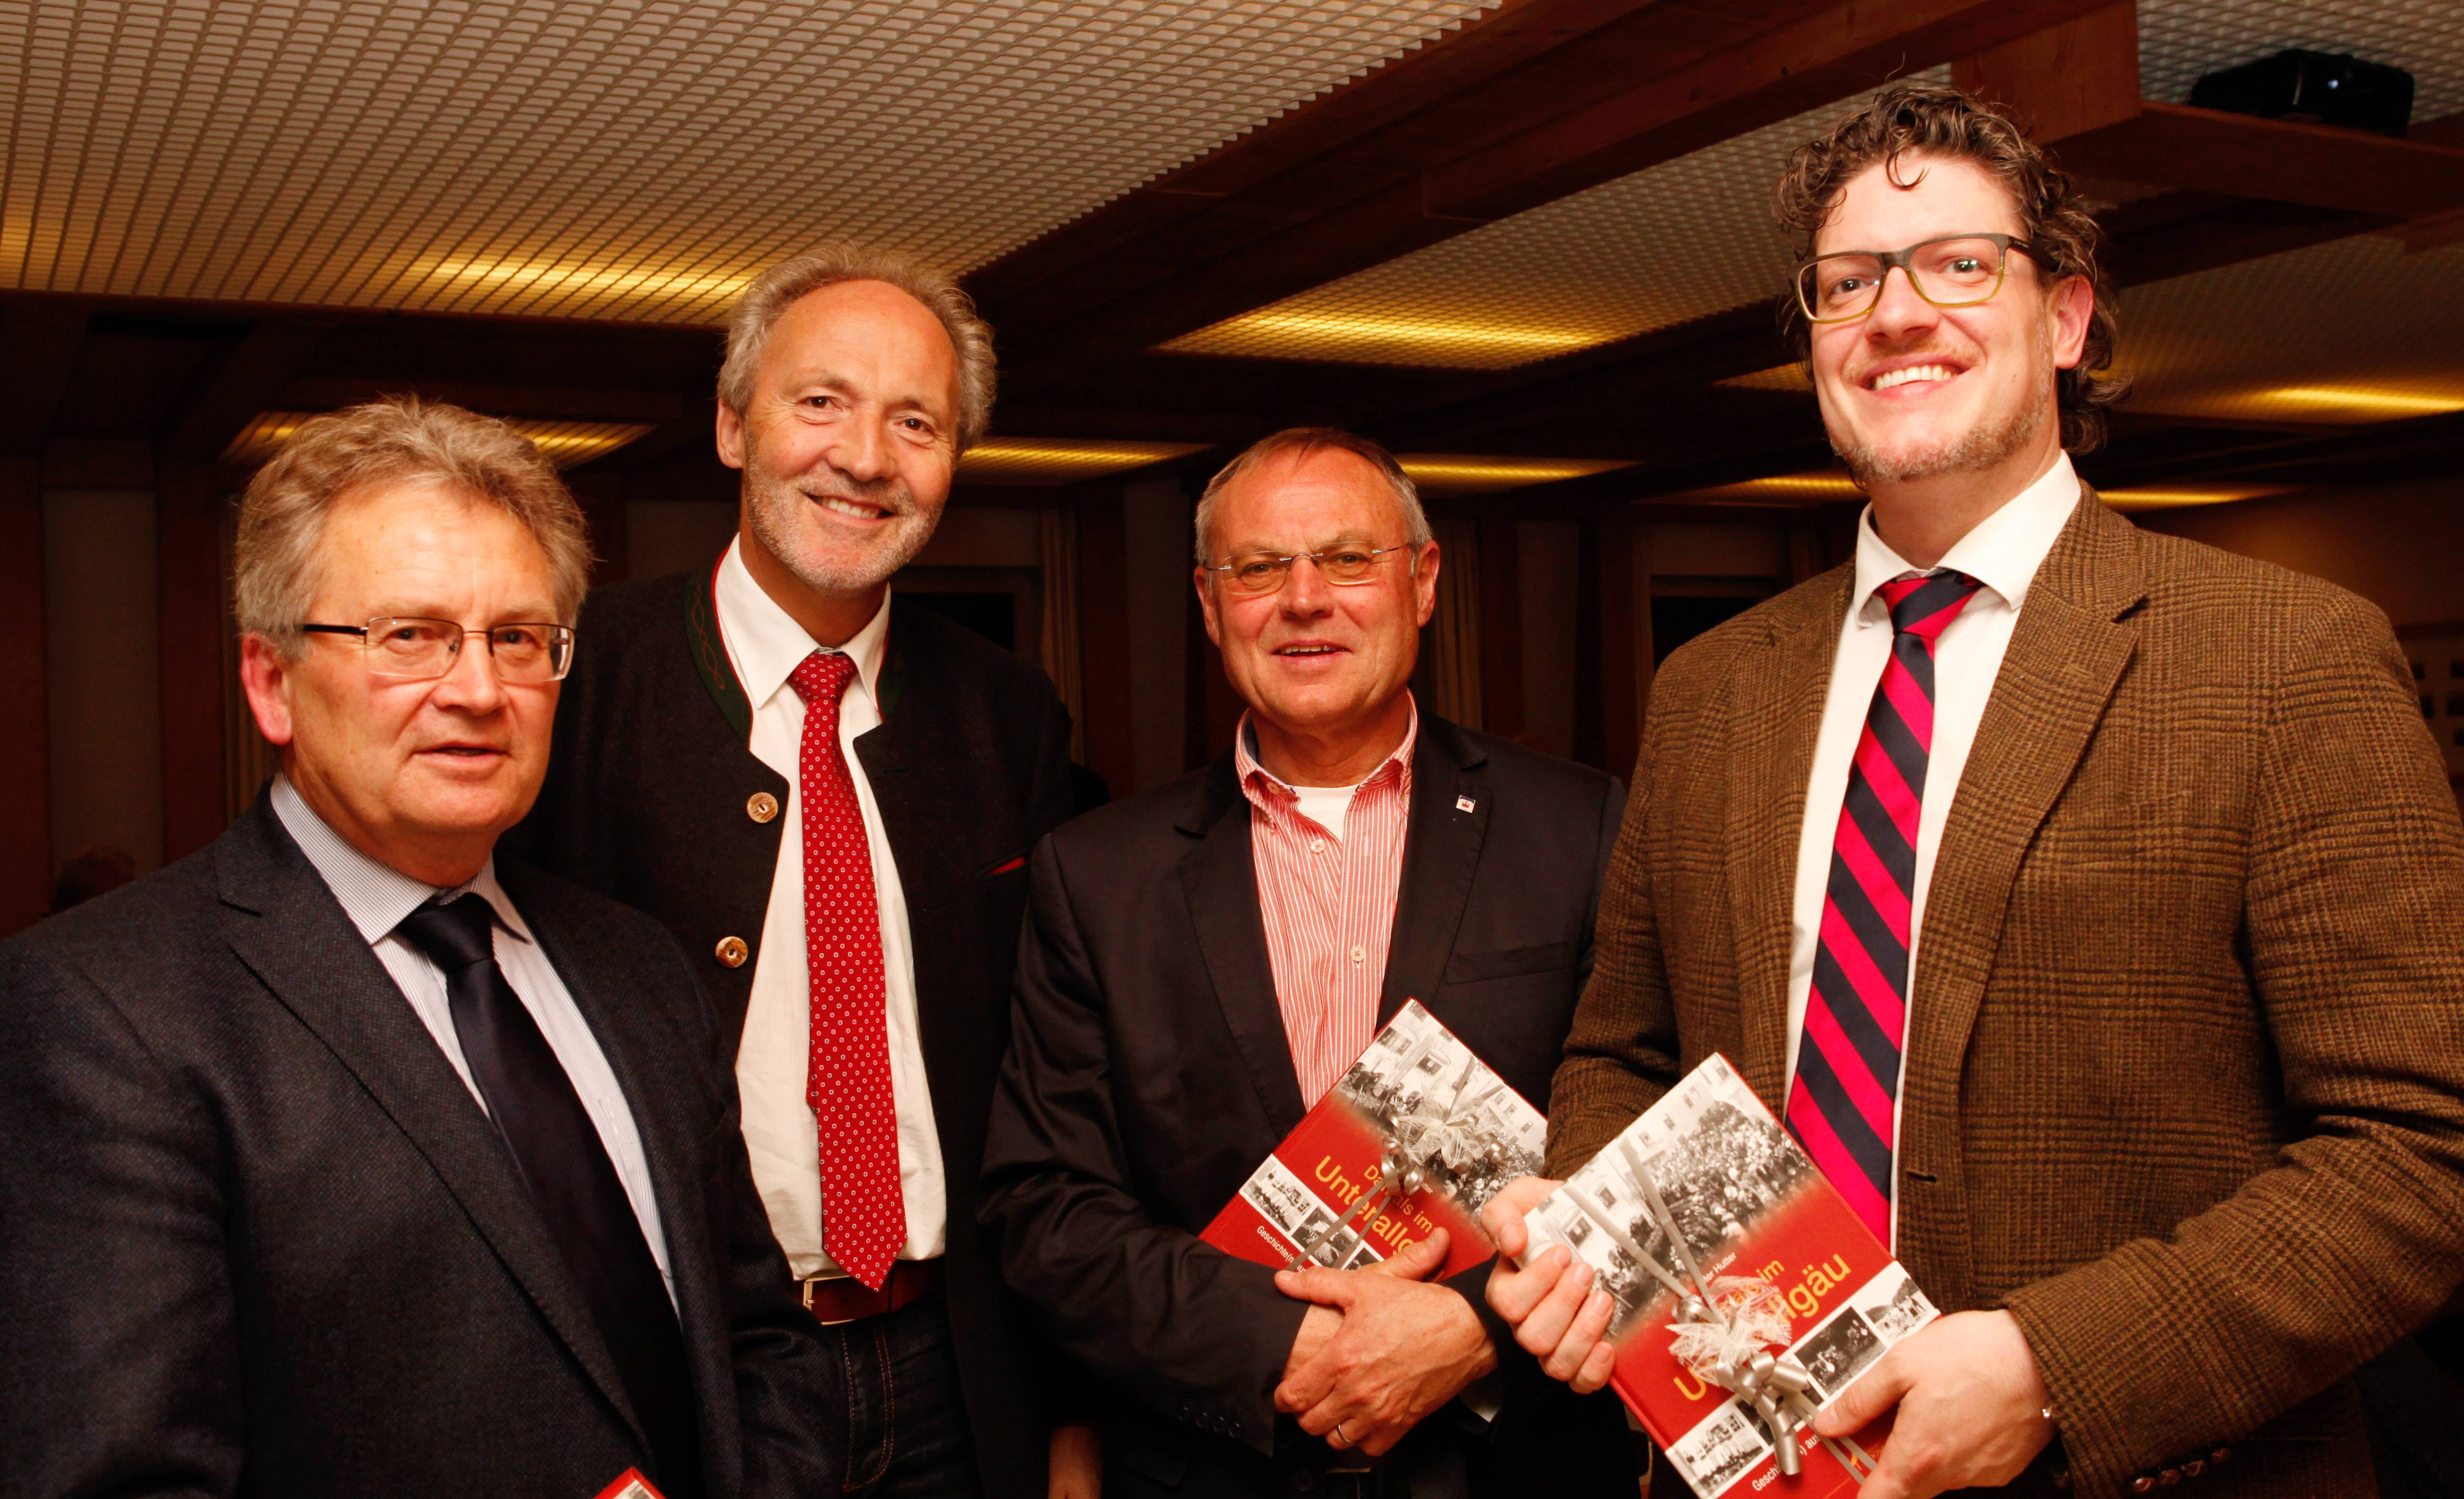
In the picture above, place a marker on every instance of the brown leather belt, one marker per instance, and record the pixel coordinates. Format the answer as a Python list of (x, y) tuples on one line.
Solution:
[(834, 1299)]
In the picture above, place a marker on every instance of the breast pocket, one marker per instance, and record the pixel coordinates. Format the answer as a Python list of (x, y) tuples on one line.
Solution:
[(1509, 963)]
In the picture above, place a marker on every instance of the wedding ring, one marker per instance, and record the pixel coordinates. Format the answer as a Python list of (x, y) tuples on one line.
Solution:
[(1341, 1440)]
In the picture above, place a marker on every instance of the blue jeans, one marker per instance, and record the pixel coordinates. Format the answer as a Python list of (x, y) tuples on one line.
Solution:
[(903, 1424)]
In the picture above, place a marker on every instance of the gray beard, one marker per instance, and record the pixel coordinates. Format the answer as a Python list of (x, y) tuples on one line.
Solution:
[(1976, 449), (768, 507)]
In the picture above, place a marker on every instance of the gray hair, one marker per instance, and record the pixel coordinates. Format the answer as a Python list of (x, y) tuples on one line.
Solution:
[(775, 290), (1302, 441), (393, 440)]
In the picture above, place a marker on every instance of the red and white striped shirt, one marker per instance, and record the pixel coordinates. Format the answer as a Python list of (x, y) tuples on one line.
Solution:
[(1328, 903)]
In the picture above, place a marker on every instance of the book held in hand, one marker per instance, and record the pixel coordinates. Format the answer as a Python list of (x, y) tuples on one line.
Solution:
[(1747, 1293), (1416, 1135)]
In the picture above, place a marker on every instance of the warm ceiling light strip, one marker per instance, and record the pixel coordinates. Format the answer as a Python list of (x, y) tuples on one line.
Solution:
[(1448, 472), (2174, 496), (1412, 330), (564, 444), (1373, 338), (2363, 398), (1053, 461)]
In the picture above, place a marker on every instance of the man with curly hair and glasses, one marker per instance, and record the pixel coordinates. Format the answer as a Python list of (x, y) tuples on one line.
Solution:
[(2080, 897)]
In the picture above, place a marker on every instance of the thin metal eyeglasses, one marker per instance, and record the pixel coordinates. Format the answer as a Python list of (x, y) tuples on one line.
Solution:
[(1963, 271), (1345, 566), (422, 650)]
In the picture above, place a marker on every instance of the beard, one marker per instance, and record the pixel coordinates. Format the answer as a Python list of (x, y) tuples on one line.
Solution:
[(773, 505), (1976, 449), (1991, 442)]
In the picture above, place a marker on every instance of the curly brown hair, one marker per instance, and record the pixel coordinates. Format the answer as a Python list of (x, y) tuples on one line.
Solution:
[(1917, 119)]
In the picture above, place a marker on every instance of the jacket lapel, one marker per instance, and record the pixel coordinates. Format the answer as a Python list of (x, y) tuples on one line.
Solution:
[(1219, 876), (284, 924), (1441, 855), (2067, 654), (1775, 715)]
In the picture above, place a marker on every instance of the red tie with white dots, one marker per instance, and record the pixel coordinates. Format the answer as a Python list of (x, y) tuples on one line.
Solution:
[(864, 1213)]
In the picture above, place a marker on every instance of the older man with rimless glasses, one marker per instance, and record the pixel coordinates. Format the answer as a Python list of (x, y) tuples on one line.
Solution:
[(1203, 961), (341, 1158), (2081, 897)]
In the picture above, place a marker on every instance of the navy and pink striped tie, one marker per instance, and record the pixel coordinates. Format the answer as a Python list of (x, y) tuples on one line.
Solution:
[(1840, 1104)]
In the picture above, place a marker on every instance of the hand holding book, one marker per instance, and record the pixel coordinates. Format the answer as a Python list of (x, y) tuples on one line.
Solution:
[(1558, 1316), (1403, 1349), (1731, 1292)]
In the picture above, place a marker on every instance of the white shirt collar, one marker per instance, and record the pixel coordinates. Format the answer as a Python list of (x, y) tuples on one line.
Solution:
[(767, 645), (2003, 552), (375, 896)]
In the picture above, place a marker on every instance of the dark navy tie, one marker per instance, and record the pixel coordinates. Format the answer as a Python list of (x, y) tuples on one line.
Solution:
[(557, 1152)]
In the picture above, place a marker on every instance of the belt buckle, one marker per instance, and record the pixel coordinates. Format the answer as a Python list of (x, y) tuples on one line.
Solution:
[(805, 1292)]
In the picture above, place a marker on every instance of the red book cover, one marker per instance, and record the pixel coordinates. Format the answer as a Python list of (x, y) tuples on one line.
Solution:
[(631, 1485), (1707, 1194), (1416, 1135)]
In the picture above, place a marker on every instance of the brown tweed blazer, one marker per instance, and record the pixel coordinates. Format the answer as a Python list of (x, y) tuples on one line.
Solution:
[(2185, 1071)]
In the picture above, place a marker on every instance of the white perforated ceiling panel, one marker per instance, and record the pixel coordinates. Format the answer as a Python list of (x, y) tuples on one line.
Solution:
[(1681, 240), (2354, 331), (623, 158)]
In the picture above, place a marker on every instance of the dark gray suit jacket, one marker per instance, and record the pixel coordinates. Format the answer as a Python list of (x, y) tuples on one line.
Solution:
[(257, 1238), (1149, 1074)]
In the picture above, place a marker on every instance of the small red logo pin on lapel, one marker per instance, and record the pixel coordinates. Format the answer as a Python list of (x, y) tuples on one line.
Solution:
[(1463, 803)]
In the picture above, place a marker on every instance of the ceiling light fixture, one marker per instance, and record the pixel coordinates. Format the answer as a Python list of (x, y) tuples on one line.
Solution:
[(564, 444), (2173, 497), (1371, 338), (1459, 473), (1061, 460), (2369, 400), (533, 275)]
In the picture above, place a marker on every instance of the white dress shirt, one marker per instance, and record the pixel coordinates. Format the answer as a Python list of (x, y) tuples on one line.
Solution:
[(765, 644), (377, 898), (2003, 553)]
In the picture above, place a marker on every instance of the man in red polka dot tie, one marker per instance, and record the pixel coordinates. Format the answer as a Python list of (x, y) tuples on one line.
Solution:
[(829, 793)]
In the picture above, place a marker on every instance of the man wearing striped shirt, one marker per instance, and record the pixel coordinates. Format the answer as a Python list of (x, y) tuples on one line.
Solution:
[(1204, 961)]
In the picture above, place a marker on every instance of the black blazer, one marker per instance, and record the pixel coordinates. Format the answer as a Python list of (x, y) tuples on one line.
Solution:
[(1148, 1074), (257, 1238), (649, 799)]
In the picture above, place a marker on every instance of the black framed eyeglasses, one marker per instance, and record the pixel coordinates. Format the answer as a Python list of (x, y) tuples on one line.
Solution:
[(1952, 270), (1346, 566), (421, 649)]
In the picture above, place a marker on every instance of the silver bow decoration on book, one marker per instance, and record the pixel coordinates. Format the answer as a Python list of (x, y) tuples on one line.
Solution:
[(1418, 1149), (1726, 1329)]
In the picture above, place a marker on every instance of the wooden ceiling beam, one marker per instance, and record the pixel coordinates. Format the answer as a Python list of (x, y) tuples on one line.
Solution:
[(2275, 161), (1630, 92), (1795, 67)]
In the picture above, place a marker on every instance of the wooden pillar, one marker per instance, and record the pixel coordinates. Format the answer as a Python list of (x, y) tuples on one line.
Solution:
[(190, 623), (1501, 627), (25, 748), (1104, 648)]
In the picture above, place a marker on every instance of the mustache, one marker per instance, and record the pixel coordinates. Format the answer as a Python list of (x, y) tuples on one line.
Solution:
[(1925, 348), (891, 493)]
